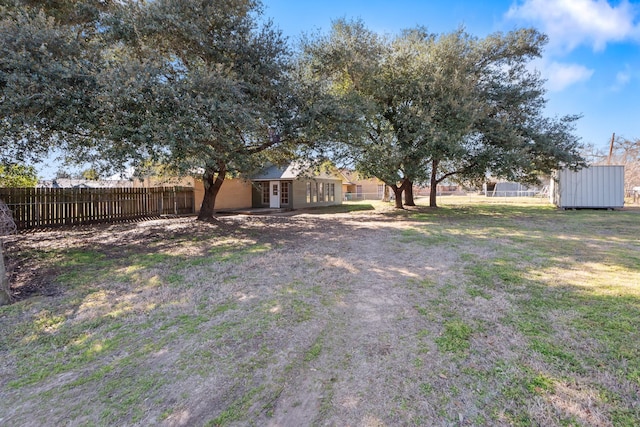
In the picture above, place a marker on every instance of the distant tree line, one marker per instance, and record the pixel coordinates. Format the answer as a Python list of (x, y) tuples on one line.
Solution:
[(623, 151)]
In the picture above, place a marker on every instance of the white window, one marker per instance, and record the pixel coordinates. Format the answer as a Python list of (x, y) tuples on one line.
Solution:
[(284, 194)]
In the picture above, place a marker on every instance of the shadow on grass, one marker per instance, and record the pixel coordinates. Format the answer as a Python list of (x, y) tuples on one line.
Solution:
[(343, 208), (124, 307)]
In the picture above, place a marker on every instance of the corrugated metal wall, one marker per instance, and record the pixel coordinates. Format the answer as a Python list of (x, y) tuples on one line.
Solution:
[(592, 187)]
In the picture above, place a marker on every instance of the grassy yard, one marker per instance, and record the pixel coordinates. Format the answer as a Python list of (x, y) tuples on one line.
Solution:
[(481, 312)]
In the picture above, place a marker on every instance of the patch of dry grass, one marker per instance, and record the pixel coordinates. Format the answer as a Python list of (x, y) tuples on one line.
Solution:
[(482, 312)]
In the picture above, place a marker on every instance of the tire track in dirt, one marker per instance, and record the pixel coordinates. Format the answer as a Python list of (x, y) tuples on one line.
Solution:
[(366, 337)]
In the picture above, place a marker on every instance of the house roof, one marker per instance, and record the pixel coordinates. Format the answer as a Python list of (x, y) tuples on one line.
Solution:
[(276, 172), (353, 177), (291, 171), (349, 176)]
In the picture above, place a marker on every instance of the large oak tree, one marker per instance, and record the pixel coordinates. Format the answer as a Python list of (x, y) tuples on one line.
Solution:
[(49, 60), (197, 86), (443, 107), (201, 86)]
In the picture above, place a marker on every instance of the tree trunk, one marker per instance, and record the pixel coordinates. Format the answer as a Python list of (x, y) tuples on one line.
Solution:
[(212, 183), (397, 191), (408, 194), (433, 189), (386, 197), (5, 295)]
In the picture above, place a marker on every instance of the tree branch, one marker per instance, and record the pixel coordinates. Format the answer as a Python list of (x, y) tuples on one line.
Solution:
[(456, 172)]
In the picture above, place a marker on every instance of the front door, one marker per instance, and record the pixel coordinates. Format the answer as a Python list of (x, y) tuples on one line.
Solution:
[(274, 191)]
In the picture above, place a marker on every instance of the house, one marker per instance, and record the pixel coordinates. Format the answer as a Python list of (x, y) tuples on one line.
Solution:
[(295, 187), (288, 187), (356, 188)]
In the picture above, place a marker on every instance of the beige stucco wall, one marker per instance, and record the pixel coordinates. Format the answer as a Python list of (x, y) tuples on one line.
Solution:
[(348, 188), (234, 194), (299, 193), (369, 188)]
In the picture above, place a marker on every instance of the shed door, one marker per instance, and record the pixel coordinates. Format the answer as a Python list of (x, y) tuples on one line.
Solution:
[(274, 191)]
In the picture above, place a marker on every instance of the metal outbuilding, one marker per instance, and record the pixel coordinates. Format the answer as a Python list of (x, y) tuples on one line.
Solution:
[(508, 189), (595, 187)]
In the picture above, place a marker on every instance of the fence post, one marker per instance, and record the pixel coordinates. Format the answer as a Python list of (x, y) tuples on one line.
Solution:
[(175, 201)]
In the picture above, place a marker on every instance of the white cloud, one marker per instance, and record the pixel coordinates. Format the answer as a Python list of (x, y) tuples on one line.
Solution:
[(622, 79), (570, 23), (559, 76)]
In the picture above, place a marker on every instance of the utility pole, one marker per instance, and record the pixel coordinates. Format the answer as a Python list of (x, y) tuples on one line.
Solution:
[(613, 137)]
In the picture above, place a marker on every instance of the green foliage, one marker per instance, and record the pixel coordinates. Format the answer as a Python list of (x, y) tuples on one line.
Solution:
[(90, 174), (540, 384), (436, 107), (198, 86), (47, 77), (237, 410), (209, 86), (426, 389), (190, 85), (12, 176), (455, 337), (314, 351)]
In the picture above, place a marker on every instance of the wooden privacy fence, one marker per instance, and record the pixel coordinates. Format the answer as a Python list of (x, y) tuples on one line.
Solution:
[(49, 207)]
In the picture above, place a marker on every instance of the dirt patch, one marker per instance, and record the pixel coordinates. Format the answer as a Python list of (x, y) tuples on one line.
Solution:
[(367, 318)]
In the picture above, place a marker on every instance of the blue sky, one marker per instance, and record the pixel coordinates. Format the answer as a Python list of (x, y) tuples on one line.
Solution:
[(591, 64)]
